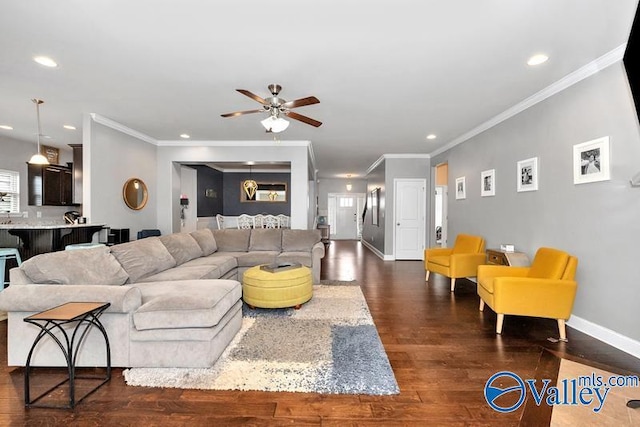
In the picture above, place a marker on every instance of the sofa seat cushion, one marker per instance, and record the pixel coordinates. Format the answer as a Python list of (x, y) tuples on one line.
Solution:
[(440, 260), (183, 272), (253, 258), (223, 261), (185, 303), (96, 266), (143, 257), (205, 239), (182, 247), (303, 258)]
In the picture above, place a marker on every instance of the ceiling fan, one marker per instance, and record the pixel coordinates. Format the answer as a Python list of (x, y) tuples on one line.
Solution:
[(276, 106)]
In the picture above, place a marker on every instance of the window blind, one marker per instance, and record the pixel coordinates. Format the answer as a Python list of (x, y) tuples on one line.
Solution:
[(10, 184)]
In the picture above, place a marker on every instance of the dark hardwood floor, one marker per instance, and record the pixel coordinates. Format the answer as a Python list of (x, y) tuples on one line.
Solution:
[(441, 347)]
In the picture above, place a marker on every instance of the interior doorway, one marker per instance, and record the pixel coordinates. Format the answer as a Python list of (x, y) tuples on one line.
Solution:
[(440, 204), (345, 215)]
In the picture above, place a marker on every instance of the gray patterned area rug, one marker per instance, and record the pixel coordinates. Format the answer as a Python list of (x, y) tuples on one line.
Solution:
[(330, 346)]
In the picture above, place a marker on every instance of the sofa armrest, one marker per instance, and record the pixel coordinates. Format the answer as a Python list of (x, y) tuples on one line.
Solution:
[(465, 265), (489, 271), (317, 251), (528, 296), (123, 299), (431, 252)]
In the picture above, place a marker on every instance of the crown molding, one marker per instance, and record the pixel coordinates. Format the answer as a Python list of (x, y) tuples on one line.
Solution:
[(569, 80), (396, 156), (122, 128)]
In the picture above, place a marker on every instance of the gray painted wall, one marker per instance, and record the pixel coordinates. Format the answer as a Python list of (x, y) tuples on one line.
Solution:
[(597, 222), (110, 158), (375, 234)]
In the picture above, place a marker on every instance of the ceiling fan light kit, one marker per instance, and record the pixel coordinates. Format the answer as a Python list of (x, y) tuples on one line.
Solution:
[(275, 106)]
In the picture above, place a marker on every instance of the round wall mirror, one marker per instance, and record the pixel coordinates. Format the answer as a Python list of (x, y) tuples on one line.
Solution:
[(135, 193)]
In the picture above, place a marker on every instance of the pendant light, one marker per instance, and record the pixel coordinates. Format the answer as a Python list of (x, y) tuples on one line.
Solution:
[(349, 186), (38, 159), (250, 186)]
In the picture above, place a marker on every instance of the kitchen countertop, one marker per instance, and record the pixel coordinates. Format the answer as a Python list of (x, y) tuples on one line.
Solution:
[(45, 226)]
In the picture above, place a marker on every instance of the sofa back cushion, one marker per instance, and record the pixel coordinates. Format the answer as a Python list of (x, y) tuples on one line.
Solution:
[(232, 240), (548, 263), (299, 240), (206, 241), (95, 266), (265, 239), (182, 247), (468, 244), (143, 257)]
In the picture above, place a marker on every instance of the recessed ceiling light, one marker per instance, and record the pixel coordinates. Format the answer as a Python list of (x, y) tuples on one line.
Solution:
[(46, 61), (431, 136), (6, 127), (69, 127), (537, 59), (185, 136)]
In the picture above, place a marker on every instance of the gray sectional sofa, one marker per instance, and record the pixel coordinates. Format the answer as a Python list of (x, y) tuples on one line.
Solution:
[(175, 299)]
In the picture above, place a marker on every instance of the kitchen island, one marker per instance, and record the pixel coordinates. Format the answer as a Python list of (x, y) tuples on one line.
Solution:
[(41, 238)]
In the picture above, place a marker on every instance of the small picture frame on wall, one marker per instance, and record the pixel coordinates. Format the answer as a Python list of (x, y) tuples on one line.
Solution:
[(461, 188), (527, 175), (488, 183), (591, 161)]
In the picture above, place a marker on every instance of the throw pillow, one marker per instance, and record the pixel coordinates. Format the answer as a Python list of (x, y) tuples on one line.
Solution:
[(265, 239), (206, 241), (95, 266), (299, 240), (143, 257), (230, 240), (182, 247)]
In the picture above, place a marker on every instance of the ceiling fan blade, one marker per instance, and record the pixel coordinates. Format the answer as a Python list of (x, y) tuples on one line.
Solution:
[(240, 113), (301, 102), (304, 119), (252, 96)]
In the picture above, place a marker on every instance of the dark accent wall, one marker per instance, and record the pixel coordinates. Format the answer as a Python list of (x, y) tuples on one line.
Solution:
[(209, 179), (231, 194), (631, 55)]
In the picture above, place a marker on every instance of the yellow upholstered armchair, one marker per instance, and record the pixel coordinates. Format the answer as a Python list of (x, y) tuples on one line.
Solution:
[(546, 289), (462, 260)]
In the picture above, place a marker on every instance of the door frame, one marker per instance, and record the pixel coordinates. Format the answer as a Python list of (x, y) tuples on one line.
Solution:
[(423, 181)]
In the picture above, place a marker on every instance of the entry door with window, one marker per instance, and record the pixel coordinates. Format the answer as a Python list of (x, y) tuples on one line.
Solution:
[(344, 217)]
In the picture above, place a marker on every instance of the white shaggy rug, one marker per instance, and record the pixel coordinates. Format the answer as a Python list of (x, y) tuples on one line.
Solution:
[(330, 345)]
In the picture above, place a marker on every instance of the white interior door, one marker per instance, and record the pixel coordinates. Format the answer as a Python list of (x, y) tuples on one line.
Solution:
[(346, 224), (409, 218), (441, 216)]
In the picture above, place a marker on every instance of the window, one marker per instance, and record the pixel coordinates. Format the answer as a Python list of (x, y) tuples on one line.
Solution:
[(10, 191)]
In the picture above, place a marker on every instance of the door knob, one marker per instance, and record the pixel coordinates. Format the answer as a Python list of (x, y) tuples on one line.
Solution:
[(398, 224)]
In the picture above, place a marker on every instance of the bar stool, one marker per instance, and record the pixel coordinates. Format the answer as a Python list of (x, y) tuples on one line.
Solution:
[(5, 254)]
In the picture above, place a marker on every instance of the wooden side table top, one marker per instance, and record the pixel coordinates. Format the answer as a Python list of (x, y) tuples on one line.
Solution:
[(513, 259), (68, 311)]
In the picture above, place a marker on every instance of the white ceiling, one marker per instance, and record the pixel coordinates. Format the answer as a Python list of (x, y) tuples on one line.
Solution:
[(387, 72)]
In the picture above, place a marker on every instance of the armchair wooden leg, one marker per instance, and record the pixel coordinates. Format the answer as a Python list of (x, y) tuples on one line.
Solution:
[(499, 322), (481, 304), (426, 277), (563, 330), (453, 283)]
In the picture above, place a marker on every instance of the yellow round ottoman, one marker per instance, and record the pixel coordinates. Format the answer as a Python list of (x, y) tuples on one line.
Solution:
[(289, 288)]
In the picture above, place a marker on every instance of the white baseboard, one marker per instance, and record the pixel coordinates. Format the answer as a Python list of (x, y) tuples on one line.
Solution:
[(608, 336), (377, 252)]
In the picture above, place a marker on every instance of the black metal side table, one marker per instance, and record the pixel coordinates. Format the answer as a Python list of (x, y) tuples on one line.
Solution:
[(85, 315)]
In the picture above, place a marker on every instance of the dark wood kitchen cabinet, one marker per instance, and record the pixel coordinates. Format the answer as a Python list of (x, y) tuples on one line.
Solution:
[(50, 185)]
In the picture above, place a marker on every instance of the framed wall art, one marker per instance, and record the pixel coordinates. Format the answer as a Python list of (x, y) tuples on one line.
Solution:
[(591, 161), (461, 188), (488, 183), (527, 174)]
